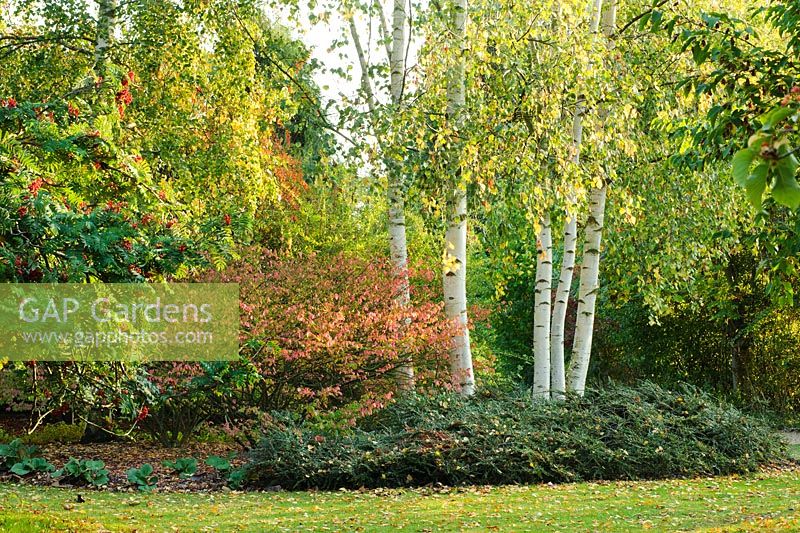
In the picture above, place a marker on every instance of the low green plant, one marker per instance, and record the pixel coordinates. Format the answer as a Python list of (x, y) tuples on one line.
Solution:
[(184, 467), (235, 477), (220, 464), (143, 477), (610, 434), (59, 432), (174, 417), (31, 465), (83, 472), (16, 452)]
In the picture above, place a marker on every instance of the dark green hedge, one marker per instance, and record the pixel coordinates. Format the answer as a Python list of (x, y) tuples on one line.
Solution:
[(615, 433)]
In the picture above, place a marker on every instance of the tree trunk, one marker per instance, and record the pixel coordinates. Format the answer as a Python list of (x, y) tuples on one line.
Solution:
[(396, 191), (587, 293), (557, 373), (397, 61), (399, 254), (395, 194), (106, 23), (455, 250), (455, 292), (366, 84), (590, 269), (541, 312)]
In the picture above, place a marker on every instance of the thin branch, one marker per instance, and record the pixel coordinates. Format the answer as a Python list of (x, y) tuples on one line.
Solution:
[(362, 60), (384, 30), (640, 16)]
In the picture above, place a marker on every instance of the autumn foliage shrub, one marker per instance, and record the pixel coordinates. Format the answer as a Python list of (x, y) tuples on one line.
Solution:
[(616, 433), (320, 336), (325, 332)]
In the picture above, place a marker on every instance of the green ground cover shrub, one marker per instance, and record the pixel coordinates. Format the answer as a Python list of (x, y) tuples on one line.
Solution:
[(610, 434)]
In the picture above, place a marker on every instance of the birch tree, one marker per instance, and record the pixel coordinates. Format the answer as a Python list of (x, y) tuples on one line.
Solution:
[(396, 51), (537, 53), (455, 249), (548, 339), (541, 313), (590, 268), (561, 304), (106, 23)]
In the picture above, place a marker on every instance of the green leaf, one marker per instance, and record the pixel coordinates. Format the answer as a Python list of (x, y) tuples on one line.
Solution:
[(699, 54), (786, 190), (741, 165), (21, 469), (186, 466), (755, 185), (774, 117), (656, 19)]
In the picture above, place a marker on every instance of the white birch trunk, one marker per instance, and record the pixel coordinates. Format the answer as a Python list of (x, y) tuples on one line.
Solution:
[(396, 192), (455, 292), (590, 270), (366, 84), (397, 61), (398, 247), (455, 251), (587, 294), (541, 312), (399, 255), (597, 11), (106, 23), (557, 369)]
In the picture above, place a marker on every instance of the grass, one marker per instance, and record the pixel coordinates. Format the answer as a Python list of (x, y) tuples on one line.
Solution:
[(767, 501)]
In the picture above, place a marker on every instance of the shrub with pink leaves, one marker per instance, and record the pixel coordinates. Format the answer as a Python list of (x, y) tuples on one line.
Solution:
[(323, 332)]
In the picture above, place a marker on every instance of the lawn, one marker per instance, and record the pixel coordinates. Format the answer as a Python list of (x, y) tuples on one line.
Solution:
[(769, 501)]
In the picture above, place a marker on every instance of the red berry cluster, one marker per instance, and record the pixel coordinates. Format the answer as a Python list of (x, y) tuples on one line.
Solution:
[(143, 412), (124, 97), (35, 186), (793, 96), (8, 102), (111, 205)]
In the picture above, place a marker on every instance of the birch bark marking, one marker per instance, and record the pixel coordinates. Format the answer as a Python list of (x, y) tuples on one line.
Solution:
[(455, 250), (541, 312), (590, 271)]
